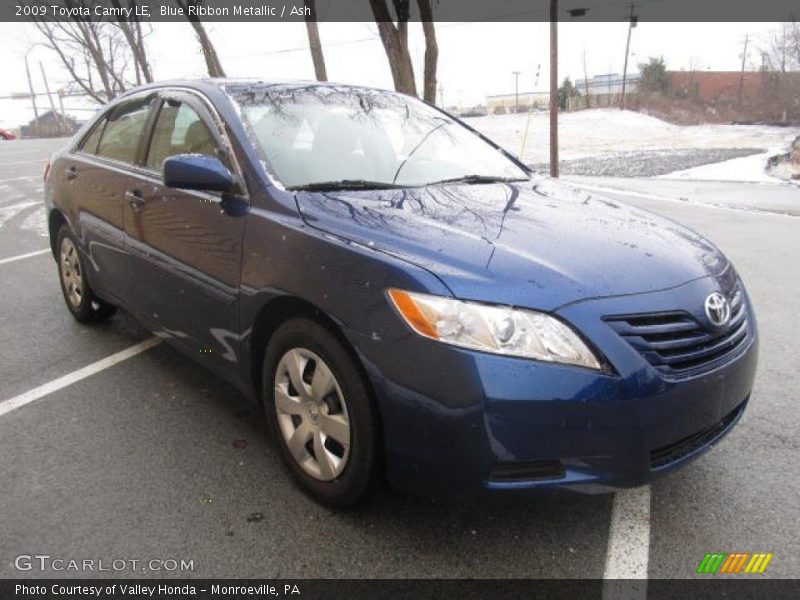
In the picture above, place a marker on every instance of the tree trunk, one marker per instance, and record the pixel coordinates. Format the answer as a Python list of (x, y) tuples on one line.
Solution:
[(140, 52), (395, 42), (431, 50), (314, 43), (213, 63), (133, 35), (95, 51), (209, 52)]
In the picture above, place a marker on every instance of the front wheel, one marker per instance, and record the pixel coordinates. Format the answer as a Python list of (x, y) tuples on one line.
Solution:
[(78, 295), (320, 411)]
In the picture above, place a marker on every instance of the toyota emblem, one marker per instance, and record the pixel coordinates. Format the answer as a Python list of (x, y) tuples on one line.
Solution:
[(718, 310)]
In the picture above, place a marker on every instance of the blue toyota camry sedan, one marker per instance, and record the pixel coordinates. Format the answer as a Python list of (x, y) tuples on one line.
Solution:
[(406, 300)]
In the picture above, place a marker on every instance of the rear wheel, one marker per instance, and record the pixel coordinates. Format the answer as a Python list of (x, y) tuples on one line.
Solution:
[(78, 295), (320, 412)]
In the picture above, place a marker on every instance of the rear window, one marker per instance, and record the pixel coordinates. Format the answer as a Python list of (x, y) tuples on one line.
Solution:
[(121, 135), (89, 143)]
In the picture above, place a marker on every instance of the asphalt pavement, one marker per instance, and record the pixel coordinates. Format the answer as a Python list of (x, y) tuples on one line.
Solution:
[(155, 458)]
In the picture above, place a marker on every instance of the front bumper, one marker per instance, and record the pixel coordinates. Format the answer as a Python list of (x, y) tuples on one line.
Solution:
[(454, 419)]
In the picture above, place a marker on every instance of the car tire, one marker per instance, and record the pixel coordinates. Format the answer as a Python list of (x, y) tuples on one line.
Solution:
[(81, 301), (326, 426)]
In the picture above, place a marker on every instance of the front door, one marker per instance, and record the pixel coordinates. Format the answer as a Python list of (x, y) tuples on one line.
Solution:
[(185, 248)]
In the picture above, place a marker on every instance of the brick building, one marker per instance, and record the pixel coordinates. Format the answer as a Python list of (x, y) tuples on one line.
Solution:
[(715, 86)]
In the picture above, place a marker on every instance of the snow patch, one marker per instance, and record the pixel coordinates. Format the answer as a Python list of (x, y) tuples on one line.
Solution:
[(747, 168), (607, 131)]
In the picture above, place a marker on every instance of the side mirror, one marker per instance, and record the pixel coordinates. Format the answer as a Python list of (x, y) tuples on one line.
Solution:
[(197, 172)]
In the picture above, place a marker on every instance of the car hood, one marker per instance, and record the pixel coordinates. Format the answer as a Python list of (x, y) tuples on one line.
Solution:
[(538, 243)]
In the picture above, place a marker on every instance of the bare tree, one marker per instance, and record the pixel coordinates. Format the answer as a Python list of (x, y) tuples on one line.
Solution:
[(103, 58), (395, 42), (781, 52), (795, 42), (314, 43), (213, 63), (431, 50), (95, 53), (132, 30), (780, 63)]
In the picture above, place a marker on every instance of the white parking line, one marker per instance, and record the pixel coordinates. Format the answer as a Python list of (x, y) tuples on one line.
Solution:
[(21, 256), (23, 178), (23, 162), (6, 406), (628, 541), (18, 152), (22, 205)]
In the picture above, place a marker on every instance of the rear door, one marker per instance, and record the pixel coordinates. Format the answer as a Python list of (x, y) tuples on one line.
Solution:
[(185, 246), (92, 178)]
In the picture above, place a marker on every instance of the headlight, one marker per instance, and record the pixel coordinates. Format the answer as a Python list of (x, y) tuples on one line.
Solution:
[(495, 329)]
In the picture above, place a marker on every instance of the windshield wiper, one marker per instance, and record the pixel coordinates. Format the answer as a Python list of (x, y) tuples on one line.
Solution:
[(344, 184), (479, 179)]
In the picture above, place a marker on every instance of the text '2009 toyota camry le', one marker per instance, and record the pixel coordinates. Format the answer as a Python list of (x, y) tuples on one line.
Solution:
[(406, 299)]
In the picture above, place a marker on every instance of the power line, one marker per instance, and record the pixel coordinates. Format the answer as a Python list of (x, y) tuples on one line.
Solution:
[(374, 38), (326, 45), (26, 96)]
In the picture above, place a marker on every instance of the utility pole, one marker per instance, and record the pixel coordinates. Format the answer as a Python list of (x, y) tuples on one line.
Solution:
[(33, 98), (49, 97), (586, 80), (744, 59), (516, 90), (631, 25), (314, 44), (783, 50), (553, 88), (61, 108)]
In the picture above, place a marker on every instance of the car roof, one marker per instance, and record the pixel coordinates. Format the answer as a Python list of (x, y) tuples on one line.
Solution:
[(231, 83)]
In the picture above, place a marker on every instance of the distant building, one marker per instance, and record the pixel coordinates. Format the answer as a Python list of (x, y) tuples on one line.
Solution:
[(50, 124), (479, 110), (608, 83), (602, 90), (522, 102)]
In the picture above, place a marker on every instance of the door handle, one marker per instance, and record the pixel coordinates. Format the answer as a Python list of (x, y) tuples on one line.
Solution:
[(71, 173), (134, 198)]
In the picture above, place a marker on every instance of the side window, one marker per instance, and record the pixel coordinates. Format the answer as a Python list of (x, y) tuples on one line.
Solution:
[(179, 130), (89, 143), (122, 132)]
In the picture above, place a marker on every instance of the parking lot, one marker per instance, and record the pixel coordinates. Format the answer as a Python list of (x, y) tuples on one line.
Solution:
[(154, 458)]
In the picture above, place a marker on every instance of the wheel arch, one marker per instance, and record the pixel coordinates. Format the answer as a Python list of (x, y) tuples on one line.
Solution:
[(54, 222), (276, 312)]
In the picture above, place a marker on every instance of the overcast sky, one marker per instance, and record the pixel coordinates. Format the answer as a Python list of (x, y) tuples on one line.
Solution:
[(475, 60)]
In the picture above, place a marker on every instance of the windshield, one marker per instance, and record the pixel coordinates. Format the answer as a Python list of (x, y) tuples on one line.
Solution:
[(324, 136)]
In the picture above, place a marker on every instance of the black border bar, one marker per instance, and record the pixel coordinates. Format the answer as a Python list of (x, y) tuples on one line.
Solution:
[(711, 587), (443, 10)]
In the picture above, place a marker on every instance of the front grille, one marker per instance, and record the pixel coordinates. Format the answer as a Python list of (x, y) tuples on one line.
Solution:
[(666, 455), (678, 345)]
